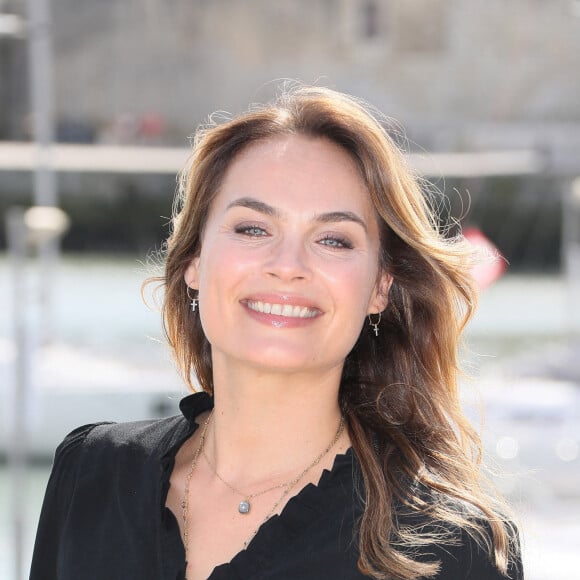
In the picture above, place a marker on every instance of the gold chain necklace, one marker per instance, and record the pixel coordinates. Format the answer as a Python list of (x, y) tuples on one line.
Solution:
[(185, 501), (287, 486), (244, 506)]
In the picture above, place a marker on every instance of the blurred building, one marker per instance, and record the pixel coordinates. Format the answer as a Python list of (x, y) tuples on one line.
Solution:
[(13, 70), (456, 73), (459, 75)]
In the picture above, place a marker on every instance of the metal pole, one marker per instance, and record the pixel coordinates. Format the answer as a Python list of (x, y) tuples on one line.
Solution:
[(41, 98), (25, 228), (40, 61), (571, 253), (16, 232)]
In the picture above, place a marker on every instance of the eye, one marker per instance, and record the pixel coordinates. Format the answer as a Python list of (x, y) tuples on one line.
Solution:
[(251, 230), (336, 242)]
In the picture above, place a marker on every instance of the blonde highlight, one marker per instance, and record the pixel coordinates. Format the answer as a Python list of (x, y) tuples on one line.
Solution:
[(399, 391)]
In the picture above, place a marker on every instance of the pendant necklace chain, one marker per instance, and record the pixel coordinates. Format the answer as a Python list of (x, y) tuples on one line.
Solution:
[(245, 506), (185, 502)]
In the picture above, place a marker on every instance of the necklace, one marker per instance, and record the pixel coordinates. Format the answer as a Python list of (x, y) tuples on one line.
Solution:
[(185, 502), (286, 486), (244, 506)]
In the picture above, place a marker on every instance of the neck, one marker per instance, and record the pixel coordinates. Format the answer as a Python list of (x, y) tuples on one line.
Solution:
[(267, 426)]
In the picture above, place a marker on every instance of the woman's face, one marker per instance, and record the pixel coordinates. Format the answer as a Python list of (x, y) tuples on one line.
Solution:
[(288, 267)]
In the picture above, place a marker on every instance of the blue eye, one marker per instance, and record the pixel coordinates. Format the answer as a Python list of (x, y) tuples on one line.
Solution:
[(336, 242), (252, 231)]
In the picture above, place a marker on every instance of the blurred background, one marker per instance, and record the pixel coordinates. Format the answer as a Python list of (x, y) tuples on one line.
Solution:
[(97, 104)]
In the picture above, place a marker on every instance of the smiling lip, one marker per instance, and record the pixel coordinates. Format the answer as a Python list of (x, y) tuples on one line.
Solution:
[(278, 309), (281, 310)]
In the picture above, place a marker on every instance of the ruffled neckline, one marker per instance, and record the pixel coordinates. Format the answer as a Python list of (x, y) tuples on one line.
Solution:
[(194, 405), (312, 502), (172, 548), (303, 510)]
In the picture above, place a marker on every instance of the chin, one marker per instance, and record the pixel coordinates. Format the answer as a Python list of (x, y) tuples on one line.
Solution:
[(282, 362), (286, 362)]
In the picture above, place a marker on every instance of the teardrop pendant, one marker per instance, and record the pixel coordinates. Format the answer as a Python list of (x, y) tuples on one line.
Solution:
[(244, 507)]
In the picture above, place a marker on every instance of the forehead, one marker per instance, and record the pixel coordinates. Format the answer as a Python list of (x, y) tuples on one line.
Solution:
[(299, 172)]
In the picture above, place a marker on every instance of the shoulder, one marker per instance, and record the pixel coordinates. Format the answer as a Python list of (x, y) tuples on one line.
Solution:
[(96, 462), (106, 440), (462, 545), (468, 553), (106, 482)]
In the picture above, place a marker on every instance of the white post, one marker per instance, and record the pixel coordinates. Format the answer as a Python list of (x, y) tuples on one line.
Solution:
[(42, 109), (571, 254), (16, 231), (31, 227), (41, 98)]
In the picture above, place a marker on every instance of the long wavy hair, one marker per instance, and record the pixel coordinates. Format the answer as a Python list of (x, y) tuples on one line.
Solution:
[(399, 390)]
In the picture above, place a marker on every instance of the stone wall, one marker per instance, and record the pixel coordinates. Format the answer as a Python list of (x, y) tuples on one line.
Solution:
[(433, 64)]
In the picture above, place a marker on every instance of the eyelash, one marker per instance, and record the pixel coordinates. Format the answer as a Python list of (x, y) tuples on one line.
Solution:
[(337, 242), (247, 229)]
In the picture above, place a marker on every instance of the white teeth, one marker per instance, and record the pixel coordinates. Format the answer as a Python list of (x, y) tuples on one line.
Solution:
[(282, 309)]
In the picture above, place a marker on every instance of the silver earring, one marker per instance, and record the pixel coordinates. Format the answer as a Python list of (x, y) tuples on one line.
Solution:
[(375, 325), (194, 301)]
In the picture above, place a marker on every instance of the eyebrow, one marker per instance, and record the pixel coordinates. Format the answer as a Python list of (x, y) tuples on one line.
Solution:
[(256, 205), (341, 216), (328, 217)]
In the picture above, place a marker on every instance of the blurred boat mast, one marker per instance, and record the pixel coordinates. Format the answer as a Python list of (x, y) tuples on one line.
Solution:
[(571, 257), (41, 227), (26, 229), (45, 192)]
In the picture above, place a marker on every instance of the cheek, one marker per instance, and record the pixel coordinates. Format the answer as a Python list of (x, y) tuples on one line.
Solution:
[(354, 285), (222, 267)]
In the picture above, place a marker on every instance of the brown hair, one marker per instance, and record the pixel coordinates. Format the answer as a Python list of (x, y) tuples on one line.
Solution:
[(399, 390)]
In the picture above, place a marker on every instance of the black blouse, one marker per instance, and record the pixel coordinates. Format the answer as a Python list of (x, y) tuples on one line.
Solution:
[(104, 515)]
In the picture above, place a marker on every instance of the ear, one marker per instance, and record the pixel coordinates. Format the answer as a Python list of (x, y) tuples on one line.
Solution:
[(191, 274), (380, 297)]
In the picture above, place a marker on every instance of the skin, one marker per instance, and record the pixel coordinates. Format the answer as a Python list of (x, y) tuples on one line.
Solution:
[(292, 225)]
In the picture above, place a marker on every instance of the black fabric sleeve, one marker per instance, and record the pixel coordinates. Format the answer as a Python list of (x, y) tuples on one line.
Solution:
[(459, 554), (469, 561), (59, 490), (479, 566)]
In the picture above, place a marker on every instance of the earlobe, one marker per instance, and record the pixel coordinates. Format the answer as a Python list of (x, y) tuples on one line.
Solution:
[(380, 298), (191, 274)]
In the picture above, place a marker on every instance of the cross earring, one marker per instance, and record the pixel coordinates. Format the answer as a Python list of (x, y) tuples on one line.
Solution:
[(194, 301), (375, 325)]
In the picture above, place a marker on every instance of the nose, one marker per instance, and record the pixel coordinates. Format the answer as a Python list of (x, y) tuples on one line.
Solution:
[(288, 260)]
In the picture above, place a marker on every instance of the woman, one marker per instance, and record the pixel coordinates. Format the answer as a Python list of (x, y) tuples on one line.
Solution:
[(311, 297)]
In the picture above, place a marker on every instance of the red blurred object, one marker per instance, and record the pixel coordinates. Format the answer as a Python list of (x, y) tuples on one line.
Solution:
[(151, 125), (493, 266)]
